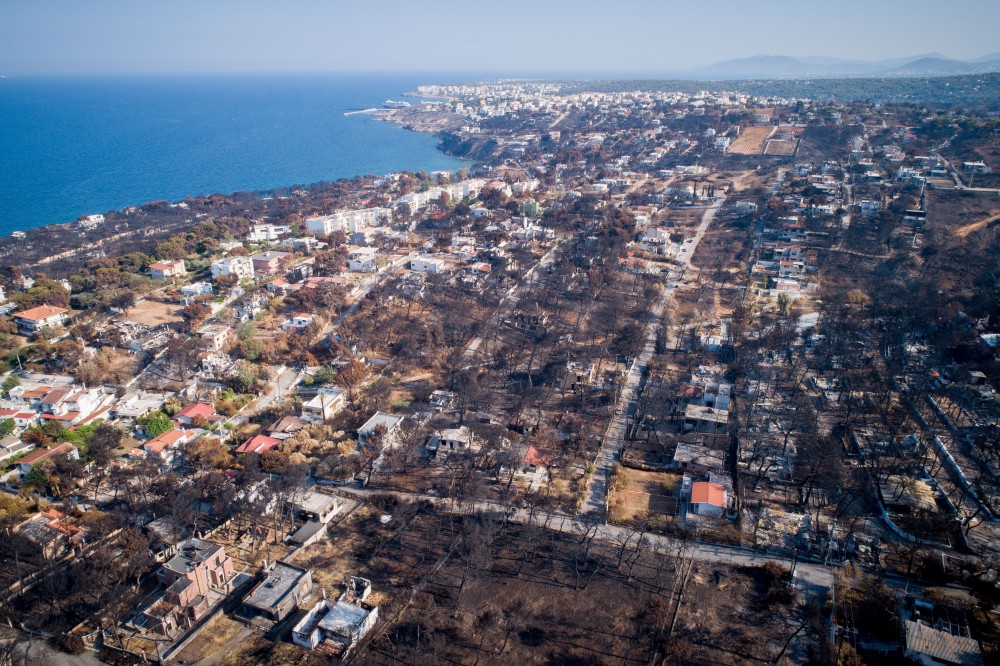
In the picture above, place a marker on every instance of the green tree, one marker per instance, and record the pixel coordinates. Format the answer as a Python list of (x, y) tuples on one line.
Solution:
[(6, 427), (245, 378), (155, 424), (252, 348), (39, 475), (9, 383)]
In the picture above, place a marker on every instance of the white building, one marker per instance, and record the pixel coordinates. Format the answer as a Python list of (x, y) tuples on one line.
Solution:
[(324, 224), (343, 624), (428, 265), (35, 319), (361, 259), (324, 405), (196, 289), (708, 499), (391, 424), (267, 232), (298, 322), (349, 221), (163, 270), (240, 267)]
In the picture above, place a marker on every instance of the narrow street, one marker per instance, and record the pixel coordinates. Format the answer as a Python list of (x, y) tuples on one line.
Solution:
[(812, 578), (614, 438)]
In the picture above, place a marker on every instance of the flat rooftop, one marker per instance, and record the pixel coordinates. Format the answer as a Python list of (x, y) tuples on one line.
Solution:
[(342, 619), (190, 554), (280, 581), (314, 502)]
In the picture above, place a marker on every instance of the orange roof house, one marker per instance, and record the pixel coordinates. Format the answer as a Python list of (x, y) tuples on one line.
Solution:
[(538, 457), (37, 318), (191, 412), (708, 499), (162, 442), (704, 492), (259, 444)]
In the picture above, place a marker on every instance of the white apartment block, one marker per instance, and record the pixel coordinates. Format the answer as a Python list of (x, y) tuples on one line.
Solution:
[(241, 267)]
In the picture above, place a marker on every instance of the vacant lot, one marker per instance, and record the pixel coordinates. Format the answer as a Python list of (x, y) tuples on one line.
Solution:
[(751, 141), (214, 642), (960, 211), (781, 147), (153, 313), (638, 494)]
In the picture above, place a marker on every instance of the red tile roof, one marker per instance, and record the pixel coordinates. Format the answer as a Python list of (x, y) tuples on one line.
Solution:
[(43, 454), (40, 312), (690, 391), (196, 410), (538, 457), (259, 444), (169, 438), (704, 492)]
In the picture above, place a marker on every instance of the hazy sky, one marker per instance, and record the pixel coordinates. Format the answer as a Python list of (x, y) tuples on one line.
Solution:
[(517, 36)]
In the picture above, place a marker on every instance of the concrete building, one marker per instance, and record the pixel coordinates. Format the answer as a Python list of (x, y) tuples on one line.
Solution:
[(215, 336), (362, 259), (324, 405), (164, 270), (197, 289), (342, 623), (390, 422), (239, 267), (35, 319), (198, 568), (281, 590), (267, 232), (268, 263), (427, 265)]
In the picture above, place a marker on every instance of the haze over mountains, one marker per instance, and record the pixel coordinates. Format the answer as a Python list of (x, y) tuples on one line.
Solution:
[(788, 67)]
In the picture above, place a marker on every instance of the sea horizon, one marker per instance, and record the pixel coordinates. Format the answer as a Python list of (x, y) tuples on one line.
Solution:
[(73, 145)]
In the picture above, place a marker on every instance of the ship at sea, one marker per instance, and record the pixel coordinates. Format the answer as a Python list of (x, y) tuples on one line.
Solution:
[(393, 104)]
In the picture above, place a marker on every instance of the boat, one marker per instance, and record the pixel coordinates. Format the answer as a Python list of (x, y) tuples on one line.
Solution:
[(393, 104)]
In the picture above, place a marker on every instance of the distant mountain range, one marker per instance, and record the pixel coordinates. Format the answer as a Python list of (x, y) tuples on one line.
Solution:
[(788, 67)]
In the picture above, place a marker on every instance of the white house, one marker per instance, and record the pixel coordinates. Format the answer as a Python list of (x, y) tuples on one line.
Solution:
[(390, 422), (362, 259), (343, 624), (426, 264), (164, 270), (976, 167), (240, 267), (298, 322), (451, 439), (267, 232), (38, 455), (324, 405), (654, 240), (196, 289), (35, 319), (708, 499)]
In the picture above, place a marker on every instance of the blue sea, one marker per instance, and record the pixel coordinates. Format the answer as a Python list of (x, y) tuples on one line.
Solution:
[(74, 146)]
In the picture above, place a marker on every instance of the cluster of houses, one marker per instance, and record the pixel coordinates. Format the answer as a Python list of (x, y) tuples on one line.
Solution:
[(199, 577), (784, 267)]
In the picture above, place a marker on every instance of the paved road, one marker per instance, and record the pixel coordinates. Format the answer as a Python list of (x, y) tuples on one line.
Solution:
[(614, 438), (812, 578), (286, 379)]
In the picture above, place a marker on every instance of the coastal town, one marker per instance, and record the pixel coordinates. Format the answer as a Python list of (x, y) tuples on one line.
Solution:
[(659, 377)]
